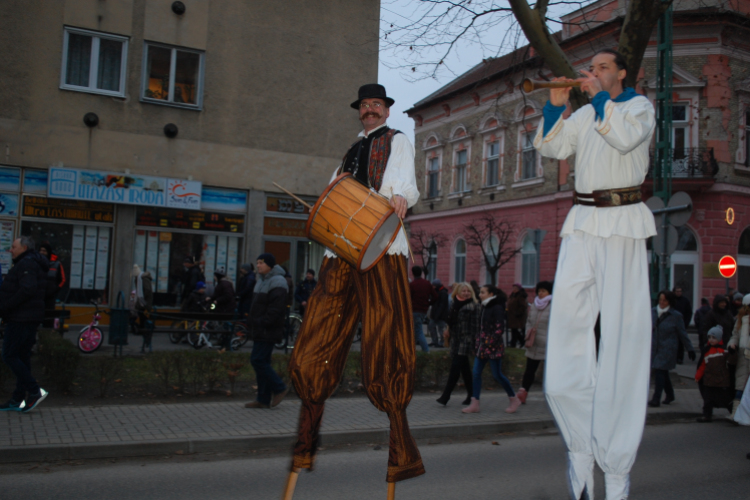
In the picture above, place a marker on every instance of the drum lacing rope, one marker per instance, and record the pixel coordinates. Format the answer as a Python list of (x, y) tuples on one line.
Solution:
[(351, 217)]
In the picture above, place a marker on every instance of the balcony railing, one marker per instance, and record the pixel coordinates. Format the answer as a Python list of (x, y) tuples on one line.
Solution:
[(693, 163)]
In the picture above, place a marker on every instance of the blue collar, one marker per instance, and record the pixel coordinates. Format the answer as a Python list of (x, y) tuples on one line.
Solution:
[(627, 94)]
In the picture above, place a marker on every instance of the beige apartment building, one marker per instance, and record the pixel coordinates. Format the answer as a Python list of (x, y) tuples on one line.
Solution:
[(144, 131)]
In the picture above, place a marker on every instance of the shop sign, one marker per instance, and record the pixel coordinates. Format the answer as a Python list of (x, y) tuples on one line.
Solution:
[(276, 226), (189, 219), (143, 190), (50, 208), (286, 205)]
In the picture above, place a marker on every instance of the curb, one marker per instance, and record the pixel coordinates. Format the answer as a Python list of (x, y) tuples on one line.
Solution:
[(74, 451)]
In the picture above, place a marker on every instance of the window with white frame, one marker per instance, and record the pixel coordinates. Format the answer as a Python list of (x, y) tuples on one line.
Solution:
[(172, 76), (492, 177), (460, 185), (528, 169), (432, 262), (94, 62), (459, 264), (680, 130), (529, 262), (433, 177)]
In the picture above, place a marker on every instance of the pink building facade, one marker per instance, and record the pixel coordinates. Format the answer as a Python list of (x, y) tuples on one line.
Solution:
[(473, 156)]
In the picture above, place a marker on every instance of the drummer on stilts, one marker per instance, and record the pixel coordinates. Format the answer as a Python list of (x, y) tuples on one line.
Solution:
[(383, 160)]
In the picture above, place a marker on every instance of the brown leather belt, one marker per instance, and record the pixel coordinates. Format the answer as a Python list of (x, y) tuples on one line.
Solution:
[(609, 197)]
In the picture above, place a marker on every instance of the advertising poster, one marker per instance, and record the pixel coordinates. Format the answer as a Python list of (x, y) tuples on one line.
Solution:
[(10, 179), (162, 280), (152, 255), (89, 258), (76, 257), (139, 255), (8, 205), (35, 181), (102, 259), (223, 200), (7, 232), (232, 259), (209, 256), (221, 252)]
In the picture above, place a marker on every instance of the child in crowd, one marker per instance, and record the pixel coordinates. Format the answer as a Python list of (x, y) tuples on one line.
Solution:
[(196, 302), (713, 376)]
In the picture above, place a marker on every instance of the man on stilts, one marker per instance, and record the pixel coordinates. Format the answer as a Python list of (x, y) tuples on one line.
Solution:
[(600, 405), (383, 159)]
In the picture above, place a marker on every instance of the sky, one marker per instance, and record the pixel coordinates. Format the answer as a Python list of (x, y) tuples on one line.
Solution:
[(407, 88)]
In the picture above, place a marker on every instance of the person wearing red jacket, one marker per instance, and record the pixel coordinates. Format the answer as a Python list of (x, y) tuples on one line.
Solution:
[(713, 376), (422, 295)]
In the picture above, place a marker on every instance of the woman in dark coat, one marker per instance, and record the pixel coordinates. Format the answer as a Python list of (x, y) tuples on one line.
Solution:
[(489, 347), (463, 325), (719, 315), (668, 331)]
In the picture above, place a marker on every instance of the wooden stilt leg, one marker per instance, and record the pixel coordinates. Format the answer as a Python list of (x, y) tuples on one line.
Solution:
[(391, 491), (291, 483)]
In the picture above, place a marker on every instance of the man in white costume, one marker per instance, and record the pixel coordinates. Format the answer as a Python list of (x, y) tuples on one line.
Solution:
[(600, 405)]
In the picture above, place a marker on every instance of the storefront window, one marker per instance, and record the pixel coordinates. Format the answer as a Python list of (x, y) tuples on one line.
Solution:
[(85, 255)]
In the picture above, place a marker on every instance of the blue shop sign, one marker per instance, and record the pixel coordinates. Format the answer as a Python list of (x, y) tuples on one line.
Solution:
[(128, 189)]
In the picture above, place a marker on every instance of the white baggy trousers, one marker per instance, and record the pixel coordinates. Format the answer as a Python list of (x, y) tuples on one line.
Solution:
[(600, 406)]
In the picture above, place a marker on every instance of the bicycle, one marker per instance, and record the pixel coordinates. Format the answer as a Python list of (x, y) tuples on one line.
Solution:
[(90, 338), (210, 334), (291, 330)]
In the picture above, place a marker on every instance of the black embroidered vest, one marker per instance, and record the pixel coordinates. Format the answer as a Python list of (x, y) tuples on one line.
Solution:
[(368, 157)]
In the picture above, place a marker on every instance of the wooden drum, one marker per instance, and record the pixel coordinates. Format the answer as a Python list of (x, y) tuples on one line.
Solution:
[(357, 223)]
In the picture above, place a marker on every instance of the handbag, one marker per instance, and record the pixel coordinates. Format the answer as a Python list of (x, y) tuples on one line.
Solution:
[(531, 334)]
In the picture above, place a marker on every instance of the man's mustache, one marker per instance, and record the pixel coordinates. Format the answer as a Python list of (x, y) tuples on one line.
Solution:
[(370, 113)]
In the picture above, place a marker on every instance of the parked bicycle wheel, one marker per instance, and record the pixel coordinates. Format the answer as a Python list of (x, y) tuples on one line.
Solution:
[(291, 330), (90, 339), (177, 337), (241, 335), (194, 338)]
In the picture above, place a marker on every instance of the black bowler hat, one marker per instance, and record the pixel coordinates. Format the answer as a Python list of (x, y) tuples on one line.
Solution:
[(372, 91)]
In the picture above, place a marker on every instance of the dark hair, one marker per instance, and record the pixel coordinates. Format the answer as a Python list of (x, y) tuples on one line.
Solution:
[(497, 292), (619, 58), (311, 271), (416, 271), (546, 285), (46, 245), (670, 296), (704, 301)]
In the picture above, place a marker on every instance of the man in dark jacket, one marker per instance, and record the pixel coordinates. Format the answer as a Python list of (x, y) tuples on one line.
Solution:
[(422, 295), (701, 314), (267, 317), (518, 308), (304, 289), (191, 275), (22, 307), (55, 281), (683, 306), (438, 313)]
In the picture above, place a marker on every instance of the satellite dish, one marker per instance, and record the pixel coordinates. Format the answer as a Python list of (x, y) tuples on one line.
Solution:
[(680, 218)]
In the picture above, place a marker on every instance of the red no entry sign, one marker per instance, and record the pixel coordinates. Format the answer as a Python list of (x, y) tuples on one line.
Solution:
[(727, 266)]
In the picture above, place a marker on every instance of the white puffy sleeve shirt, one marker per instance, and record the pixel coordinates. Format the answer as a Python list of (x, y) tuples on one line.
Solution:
[(398, 179), (610, 154)]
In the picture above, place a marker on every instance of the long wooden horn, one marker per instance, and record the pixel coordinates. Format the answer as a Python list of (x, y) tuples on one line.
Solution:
[(530, 85)]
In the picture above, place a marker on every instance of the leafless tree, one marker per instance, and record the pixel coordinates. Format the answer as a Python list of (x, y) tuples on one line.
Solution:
[(436, 28), (494, 238), (421, 244)]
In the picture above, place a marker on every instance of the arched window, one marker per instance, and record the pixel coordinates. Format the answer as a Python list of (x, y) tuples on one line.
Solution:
[(686, 241), (459, 264), (491, 250), (743, 262), (432, 262), (529, 264)]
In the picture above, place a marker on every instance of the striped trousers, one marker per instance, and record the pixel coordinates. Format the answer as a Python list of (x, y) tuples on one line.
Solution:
[(343, 297)]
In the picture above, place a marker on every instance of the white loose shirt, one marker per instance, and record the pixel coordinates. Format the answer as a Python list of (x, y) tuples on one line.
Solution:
[(611, 153), (398, 179)]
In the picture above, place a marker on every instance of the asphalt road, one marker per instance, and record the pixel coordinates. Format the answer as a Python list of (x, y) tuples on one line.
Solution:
[(677, 461)]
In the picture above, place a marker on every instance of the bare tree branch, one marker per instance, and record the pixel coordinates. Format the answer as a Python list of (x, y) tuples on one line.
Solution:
[(494, 238), (422, 242)]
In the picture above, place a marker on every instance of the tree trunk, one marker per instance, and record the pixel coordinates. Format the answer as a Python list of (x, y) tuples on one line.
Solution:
[(642, 17)]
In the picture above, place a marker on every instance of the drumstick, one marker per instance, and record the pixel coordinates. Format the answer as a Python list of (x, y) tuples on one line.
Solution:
[(402, 227), (309, 207)]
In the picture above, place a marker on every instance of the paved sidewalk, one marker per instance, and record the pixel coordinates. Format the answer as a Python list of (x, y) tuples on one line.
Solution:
[(111, 431)]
